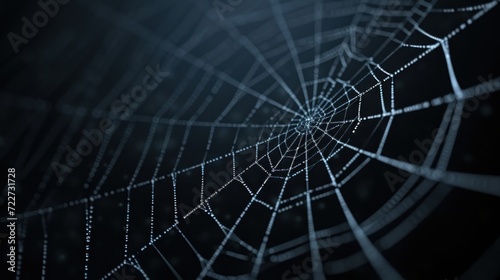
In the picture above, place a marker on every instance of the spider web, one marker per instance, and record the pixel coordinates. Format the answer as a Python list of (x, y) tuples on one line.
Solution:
[(254, 152)]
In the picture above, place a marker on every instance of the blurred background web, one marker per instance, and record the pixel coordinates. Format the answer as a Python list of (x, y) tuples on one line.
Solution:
[(360, 136)]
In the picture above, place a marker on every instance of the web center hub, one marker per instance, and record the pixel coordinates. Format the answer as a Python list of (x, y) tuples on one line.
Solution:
[(310, 121)]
